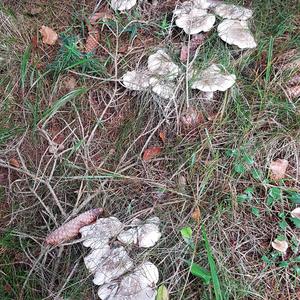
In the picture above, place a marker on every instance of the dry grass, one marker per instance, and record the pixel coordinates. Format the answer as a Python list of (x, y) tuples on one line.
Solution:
[(105, 129)]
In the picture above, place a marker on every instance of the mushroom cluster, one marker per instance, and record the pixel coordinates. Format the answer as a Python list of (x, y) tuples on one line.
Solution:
[(113, 269), (122, 4), (199, 16), (159, 77)]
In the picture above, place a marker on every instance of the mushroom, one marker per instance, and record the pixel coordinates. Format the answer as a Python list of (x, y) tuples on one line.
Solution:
[(212, 80), (163, 88), (148, 235), (108, 291), (280, 245), (278, 168), (94, 258), (98, 234), (139, 285), (122, 4), (111, 267), (144, 235), (197, 20), (235, 32), (161, 64), (231, 11), (136, 80), (296, 213)]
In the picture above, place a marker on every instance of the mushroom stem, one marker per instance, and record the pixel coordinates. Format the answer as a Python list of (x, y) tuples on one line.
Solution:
[(208, 95)]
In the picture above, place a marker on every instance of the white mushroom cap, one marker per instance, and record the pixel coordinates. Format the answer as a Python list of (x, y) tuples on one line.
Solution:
[(129, 236), (204, 4), (136, 80), (144, 234), (196, 21), (296, 213), (235, 32), (139, 285), (113, 266), (231, 11), (98, 234), (212, 79), (280, 246), (160, 63), (108, 291), (95, 257), (162, 88), (148, 235), (122, 4)]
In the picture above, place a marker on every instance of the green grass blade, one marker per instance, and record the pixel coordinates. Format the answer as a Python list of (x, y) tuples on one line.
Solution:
[(212, 266), (24, 66), (61, 102)]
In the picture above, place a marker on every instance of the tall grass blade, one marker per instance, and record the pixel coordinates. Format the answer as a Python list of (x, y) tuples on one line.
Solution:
[(212, 266), (24, 66)]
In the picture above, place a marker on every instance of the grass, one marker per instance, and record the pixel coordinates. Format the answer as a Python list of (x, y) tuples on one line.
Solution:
[(221, 166)]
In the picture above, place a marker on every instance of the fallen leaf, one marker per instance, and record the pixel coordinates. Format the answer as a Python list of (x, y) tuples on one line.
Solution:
[(92, 40), (49, 35), (196, 215), (151, 153), (162, 136), (296, 213), (195, 42), (71, 229), (278, 168), (162, 293), (103, 15), (280, 246), (14, 162), (34, 41)]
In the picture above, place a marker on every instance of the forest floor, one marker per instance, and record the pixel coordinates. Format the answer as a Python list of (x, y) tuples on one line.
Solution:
[(72, 138)]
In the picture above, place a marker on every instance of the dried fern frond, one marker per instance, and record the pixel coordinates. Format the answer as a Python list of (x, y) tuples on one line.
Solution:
[(71, 229)]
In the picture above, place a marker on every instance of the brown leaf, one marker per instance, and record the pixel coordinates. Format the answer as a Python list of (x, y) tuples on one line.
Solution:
[(92, 41), (162, 136), (151, 153), (195, 42), (14, 162), (196, 215), (49, 35), (104, 15), (34, 41), (278, 168), (71, 229)]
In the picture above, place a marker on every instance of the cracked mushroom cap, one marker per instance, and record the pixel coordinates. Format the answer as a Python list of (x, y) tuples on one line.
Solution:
[(140, 284), (162, 88), (235, 12), (112, 266), (235, 32), (122, 4), (98, 234), (144, 234), (93, 260), (161, 64), (197, 20), (136, 80), (212, 79)]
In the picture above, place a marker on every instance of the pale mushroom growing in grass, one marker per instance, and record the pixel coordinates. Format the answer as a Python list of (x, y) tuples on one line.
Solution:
[(161, 64), (213, 79), (296, 213), (136, 80), (236, 32), (280, 245), (138, 285), (122, 4), (163, 88), (197, 20), (234, 12)]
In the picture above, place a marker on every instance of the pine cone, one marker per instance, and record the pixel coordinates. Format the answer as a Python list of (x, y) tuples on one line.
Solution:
[(71, 229)]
